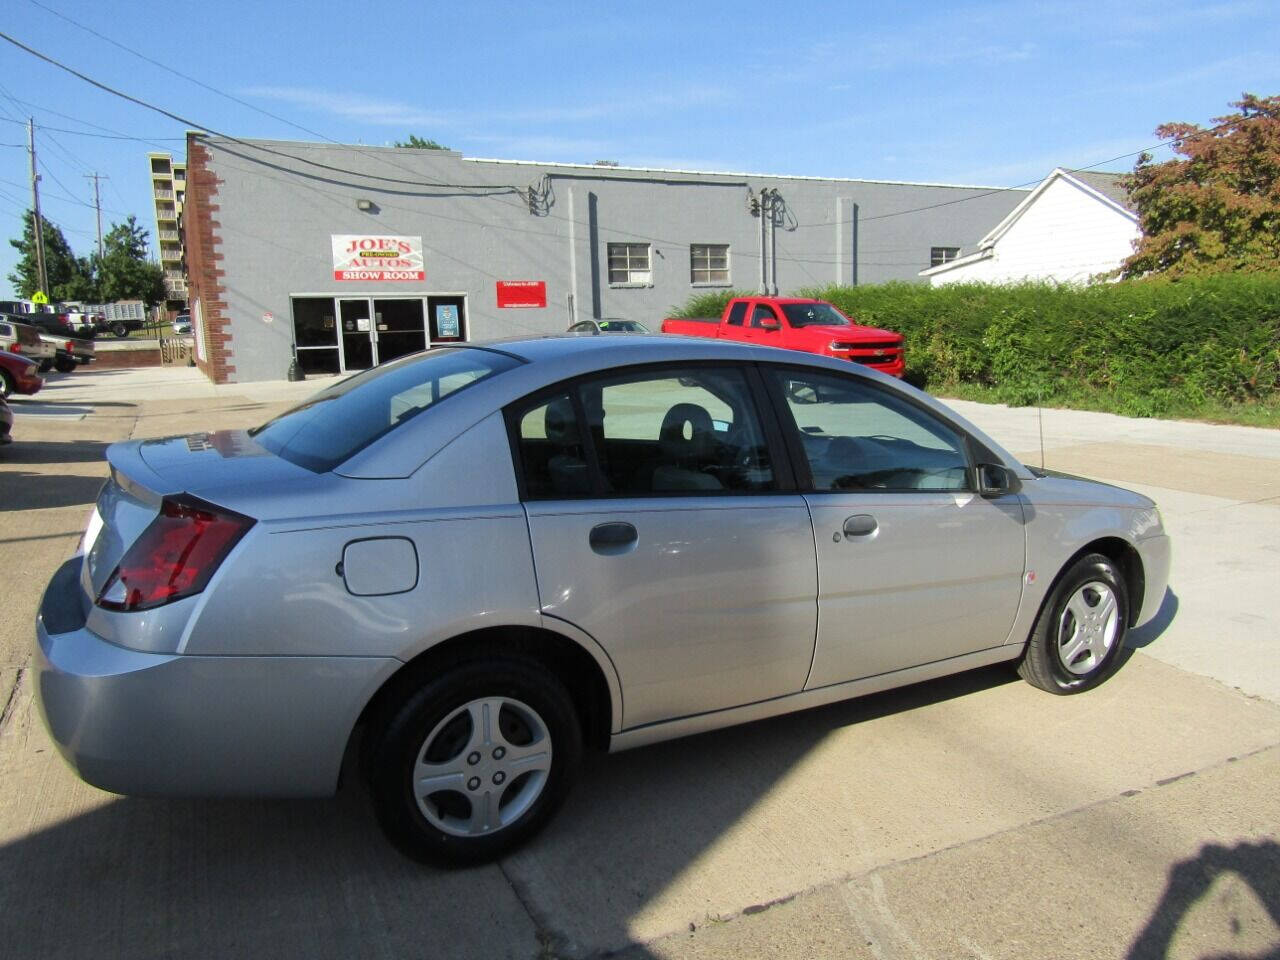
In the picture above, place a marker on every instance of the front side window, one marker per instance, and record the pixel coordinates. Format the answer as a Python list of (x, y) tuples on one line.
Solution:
[(859, 438), (629, 263), (763, 316), (709, 263), (672, 432)]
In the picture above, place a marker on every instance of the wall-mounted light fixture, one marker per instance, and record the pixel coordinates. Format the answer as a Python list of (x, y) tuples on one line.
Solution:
[(363, 204)]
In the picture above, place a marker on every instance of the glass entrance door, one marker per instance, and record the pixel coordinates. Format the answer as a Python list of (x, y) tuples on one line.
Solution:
[(398, 328), (357, 334)]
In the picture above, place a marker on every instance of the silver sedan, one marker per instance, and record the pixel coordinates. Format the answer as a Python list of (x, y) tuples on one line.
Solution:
[(471, 564)]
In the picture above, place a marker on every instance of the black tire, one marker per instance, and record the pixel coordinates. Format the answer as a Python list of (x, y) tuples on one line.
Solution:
[(46, 366), (1054, 659), (64, 364), (6, 385), (435, 719), (120, 329)]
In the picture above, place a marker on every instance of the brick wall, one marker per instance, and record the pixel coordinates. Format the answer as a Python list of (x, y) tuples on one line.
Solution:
[(204, 261)]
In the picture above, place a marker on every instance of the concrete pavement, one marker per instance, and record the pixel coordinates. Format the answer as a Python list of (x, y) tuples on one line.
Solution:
[(970, 817)]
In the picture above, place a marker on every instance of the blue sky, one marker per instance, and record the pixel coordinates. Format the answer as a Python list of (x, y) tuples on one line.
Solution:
[(977, 93)]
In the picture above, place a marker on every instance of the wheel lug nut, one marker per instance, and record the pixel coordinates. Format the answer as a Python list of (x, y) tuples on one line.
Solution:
[(499, 753), (473, 783), (498, 778), (473, 757)]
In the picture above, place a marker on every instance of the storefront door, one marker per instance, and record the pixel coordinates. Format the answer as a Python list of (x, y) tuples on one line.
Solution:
[(357, 334), (398, 328)]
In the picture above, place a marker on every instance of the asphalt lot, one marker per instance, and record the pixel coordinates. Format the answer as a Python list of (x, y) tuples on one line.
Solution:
[(968, 817)]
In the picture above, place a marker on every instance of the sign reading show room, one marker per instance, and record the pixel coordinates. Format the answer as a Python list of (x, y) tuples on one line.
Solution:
[(377, 258)]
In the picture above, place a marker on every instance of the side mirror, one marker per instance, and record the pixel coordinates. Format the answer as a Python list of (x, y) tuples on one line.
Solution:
[(773, 324), (996, 480)]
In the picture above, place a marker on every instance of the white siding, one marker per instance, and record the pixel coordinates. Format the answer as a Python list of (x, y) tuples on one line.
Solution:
[(1066, 235)]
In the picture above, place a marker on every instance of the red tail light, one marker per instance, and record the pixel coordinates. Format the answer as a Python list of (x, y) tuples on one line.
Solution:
[(16, 348), (175, 556)]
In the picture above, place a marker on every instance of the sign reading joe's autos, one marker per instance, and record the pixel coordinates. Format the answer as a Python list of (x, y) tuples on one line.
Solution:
[(372, 258)]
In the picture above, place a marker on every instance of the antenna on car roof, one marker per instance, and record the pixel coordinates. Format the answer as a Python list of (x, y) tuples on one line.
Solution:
[(1040, 419)]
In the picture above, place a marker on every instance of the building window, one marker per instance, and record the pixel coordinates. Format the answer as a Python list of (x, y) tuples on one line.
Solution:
[(709, 263), (629, 263), (940, 255)]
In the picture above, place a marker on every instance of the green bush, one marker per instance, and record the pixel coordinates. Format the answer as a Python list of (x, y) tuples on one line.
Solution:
[(1142, 347)]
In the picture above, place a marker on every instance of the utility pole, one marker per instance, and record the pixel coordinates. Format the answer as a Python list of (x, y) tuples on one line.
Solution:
[(97, 203), (41, 276)]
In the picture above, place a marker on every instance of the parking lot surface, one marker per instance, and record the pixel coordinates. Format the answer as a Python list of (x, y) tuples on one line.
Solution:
[(968, 817)]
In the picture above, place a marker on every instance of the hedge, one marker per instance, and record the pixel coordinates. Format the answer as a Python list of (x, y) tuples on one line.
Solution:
[(1145, 347)]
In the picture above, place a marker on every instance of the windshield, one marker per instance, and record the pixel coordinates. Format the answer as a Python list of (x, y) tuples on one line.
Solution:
[(340, 421), (623, 326), (814, 315)]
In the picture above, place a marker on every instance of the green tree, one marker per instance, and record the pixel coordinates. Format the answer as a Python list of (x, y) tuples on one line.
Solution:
[(124, 272), (417, 143), (70, 277), (1216, 207)]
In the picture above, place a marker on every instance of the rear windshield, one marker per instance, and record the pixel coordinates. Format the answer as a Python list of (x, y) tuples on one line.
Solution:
[(340, 421)]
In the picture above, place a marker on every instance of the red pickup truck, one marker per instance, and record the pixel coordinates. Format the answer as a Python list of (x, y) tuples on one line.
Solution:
[(813, 326)]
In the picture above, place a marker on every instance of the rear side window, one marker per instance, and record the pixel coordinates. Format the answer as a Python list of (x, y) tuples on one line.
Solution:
[(338, 422), (737, 313), (672, 431)]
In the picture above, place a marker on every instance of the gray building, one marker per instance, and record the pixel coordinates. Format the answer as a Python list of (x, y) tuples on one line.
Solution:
[(358, 254)]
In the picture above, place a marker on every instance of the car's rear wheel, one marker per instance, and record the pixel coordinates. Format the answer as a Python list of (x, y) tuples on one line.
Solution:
[(46, 366), (6, 384), (64, 364), (1076, 641), (475, 761), (120, 329)]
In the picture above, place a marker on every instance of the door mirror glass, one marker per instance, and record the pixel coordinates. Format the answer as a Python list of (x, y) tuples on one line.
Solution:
[(996, 480)]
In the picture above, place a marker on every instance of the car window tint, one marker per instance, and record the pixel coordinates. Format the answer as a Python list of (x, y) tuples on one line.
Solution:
[(856, 437), (763, 314), (339, 421), (737, 313), (692, 430), (553, 457)]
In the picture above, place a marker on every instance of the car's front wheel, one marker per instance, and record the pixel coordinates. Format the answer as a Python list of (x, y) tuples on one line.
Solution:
[(1076, 641), (6, 385), (475, 761)]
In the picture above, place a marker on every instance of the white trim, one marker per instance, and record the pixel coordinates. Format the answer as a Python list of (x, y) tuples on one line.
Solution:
[(1016, 213)]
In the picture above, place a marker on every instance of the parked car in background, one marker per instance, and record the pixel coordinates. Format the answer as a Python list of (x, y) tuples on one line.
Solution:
[(794, 323), (120, 327), (6, 422), (608, 325), (182, 324), (25, 339), (72, 347), (18, 374), (469, 564)]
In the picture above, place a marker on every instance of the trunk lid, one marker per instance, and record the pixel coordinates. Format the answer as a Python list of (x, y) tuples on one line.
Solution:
[(212, 466)]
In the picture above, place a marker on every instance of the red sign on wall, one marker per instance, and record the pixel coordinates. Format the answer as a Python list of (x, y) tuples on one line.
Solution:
[(522, 293)]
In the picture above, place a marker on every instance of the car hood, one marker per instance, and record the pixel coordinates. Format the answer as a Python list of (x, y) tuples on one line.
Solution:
[(855, 334), (1052, 486)]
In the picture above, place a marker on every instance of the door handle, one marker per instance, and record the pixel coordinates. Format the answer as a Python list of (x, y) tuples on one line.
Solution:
[(612, 537), (860, 525)]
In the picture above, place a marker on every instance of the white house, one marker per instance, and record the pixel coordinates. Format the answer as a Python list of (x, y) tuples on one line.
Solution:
[(1074, 225)]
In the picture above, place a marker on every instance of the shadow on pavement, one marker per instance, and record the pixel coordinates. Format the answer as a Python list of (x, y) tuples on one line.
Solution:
[(204, 878), (1150, 632), (1257, 864), (39, 451)]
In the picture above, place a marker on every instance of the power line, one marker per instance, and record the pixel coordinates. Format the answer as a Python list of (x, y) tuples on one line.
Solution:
[(245, 143), (179, 73)]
